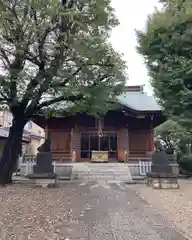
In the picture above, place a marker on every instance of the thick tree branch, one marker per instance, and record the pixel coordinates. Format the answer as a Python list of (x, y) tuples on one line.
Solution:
[(65, 81), (4, 55), (71, 98), (31, 86), (101, 79), (60, 99)]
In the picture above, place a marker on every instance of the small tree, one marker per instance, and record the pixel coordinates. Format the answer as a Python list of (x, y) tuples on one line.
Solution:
[(53, 53)]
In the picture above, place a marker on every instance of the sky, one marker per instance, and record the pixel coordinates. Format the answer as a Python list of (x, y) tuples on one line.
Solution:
[(132, 15)]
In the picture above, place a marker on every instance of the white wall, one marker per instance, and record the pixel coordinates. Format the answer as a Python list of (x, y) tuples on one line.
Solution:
[(31, 127)]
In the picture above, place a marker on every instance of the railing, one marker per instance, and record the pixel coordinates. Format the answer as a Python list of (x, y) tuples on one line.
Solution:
[(60, 156), (144, 167), (28, 167), (30, 164)]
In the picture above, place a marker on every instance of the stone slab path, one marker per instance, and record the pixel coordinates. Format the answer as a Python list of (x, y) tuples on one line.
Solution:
[(80, 211)]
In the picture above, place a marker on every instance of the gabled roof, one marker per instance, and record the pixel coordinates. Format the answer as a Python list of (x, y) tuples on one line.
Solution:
[(139, 101), (133, 98)]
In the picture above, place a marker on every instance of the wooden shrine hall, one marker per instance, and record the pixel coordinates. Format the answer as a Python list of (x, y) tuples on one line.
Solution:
[(122, 135)]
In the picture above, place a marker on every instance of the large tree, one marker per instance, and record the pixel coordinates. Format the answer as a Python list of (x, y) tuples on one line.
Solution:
[(53, 53), (167, 48)]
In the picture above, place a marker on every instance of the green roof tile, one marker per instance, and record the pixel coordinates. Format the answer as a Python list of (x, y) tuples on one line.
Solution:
[(139, 101)]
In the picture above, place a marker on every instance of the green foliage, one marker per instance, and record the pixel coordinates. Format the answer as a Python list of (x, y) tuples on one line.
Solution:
[(186, 163), (177, 133), (54, 55), (171, 129), (167, 49)]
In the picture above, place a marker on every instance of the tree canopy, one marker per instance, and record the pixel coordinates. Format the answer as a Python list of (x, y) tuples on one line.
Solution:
[(58, 55), (167, 49), (52, 53), (173, 131)]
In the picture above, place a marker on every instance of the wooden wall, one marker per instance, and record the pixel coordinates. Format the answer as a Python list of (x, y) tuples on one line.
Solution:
[(134, 135), (60, 145), (140, 142)]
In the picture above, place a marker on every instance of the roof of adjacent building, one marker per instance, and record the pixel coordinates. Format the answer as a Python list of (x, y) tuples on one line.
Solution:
[(4, 132)]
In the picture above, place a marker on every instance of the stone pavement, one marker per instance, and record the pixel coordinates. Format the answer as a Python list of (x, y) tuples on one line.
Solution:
[(80, 211), (112, 211)]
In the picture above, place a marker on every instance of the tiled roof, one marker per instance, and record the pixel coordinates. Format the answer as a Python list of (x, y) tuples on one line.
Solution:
[(133, 98), (139, 101)]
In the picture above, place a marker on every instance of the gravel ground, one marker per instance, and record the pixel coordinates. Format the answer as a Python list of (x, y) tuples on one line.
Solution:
[(80, 211), (175, 205)]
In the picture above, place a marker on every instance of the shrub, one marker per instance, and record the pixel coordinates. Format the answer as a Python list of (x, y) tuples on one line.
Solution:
[(186, 163), (169, 150)]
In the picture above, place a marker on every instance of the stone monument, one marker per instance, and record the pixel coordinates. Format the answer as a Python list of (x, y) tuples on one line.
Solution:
[(43, 170), (162, 172), (44, 159)]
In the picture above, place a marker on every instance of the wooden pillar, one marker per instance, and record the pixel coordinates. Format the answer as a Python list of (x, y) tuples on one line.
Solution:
[(76, 143), (123, 143), (151, 140)]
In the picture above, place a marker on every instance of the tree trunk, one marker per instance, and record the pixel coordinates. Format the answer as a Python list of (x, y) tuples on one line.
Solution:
[(11, 151)]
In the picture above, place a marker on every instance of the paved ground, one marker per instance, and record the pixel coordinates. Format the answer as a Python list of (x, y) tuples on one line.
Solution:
[(174, 204), (86, 211)]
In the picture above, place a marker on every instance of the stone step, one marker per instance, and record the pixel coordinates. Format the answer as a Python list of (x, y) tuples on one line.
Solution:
[(104, 177), (101, 172)]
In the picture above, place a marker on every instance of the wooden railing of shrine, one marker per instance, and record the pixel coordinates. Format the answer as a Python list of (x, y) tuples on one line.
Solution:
[(61, 156)]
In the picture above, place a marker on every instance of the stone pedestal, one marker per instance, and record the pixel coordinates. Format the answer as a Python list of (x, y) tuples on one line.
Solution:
[(164, 183), (43, 174), (43, 180), (163, 174), (43, 163)]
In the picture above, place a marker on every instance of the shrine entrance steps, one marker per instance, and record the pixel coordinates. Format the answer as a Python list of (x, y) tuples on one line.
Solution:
[(101, 171)]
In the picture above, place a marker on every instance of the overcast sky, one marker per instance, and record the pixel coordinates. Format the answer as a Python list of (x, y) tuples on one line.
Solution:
[(132, 14)]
